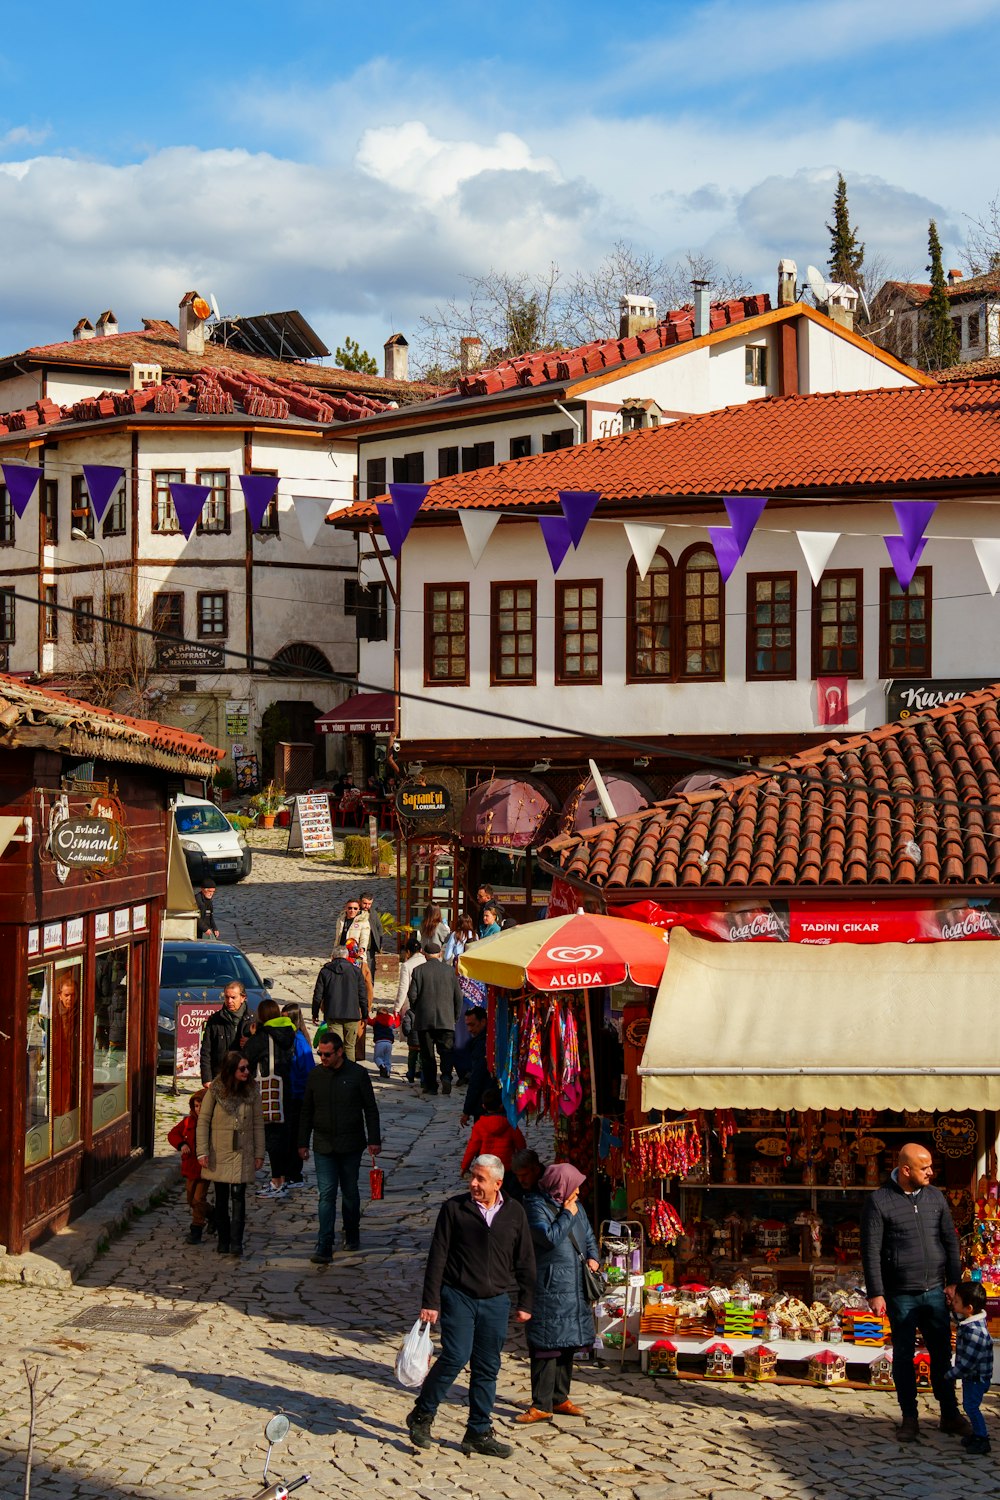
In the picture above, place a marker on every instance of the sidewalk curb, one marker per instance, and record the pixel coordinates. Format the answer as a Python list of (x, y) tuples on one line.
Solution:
[(62, 1259)]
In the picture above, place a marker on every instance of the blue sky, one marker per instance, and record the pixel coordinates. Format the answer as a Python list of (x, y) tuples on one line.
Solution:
[(357, 162)]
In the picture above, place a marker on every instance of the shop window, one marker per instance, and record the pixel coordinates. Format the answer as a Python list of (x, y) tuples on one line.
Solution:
[(214, 516), (647, 625), (520, 447), (48, 506), (702, 615), (168, 614), (408, 468), (770, 626), (446, 633), (110, 1062), (837, 624), (904, 642), (50, 613), (513, 632), (114, 516), (447, 462), (213, 616), (83, 618), (755, 365), (81, 514), (164, 517), (52, 1102), (375, 477), (477, 456), (561, 438), (7, 607), (6, 518), (578, 631)]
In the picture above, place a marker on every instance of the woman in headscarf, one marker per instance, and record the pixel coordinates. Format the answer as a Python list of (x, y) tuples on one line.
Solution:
[(561, 1321)]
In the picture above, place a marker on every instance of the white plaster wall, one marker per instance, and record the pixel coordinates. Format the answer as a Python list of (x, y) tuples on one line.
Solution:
[(69, 386), (828, 363), (21, 390), (965, 629)]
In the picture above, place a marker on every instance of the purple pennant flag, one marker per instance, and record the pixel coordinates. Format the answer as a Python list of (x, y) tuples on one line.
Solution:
[(102, 481), (727, 550), (555, 530), (20, 481), (391, 528), (744, 511), (258, 492), (913, 517), (578, 507), (406, 501), (188, 501), (903, 561)]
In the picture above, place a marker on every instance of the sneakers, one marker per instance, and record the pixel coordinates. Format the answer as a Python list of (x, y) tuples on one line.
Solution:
[(293, 1182), (485, 1443), (977, 1446), (959, 1425), (272, 1190), (319, 1259), (419, 1425), (908, 1430)]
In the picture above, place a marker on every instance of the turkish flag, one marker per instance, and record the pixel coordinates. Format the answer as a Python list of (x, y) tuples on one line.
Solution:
[(831, 700)]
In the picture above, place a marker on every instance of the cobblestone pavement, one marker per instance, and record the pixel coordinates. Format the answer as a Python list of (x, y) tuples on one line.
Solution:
[(123, 1413)]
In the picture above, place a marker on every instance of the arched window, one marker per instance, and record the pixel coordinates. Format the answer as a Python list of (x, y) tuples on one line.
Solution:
[(648, 635), (299, 658), (702, 610)]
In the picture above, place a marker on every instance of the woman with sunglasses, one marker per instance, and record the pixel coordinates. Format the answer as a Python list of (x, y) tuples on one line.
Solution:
[(230, 1145)]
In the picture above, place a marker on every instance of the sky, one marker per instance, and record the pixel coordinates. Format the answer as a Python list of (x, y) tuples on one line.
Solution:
[(360, 162)]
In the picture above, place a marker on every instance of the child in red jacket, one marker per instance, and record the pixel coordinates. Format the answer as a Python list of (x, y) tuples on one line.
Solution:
[(183, 1137), (493, 1134)]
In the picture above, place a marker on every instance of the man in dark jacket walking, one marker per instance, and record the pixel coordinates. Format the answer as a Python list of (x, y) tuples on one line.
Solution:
[(436, 1001), (480, 1077), (376, 932), (225, 1030), (340, 1116), (909, 1249), (204, 898), (341, 995), (480, 1254)]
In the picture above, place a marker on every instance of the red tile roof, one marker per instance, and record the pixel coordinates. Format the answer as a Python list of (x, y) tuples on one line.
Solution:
[(843, 814), (570, 364), (846, 440), (84, 729), (972, 369), (972, 286)]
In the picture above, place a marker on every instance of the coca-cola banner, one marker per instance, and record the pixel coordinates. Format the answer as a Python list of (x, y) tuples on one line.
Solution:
[(748, 920)]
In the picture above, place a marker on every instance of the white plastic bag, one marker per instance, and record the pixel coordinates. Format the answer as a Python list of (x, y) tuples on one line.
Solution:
[(414, 1358)]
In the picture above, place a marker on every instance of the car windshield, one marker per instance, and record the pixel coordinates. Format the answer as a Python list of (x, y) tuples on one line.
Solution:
[(206, 967), (201, 819)]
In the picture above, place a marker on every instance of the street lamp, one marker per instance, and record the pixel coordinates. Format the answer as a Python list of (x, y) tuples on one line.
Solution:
[(79, 535)]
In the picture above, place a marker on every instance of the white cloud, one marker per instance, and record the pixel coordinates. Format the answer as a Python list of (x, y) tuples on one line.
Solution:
[(407, 157)]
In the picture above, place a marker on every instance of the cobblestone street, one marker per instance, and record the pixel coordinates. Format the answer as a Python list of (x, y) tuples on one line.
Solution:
[(124, 1413)]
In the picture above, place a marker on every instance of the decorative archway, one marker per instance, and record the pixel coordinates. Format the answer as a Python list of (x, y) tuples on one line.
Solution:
[(299, 659)]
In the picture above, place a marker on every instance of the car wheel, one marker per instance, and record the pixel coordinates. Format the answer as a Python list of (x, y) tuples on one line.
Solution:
[(247, 865)]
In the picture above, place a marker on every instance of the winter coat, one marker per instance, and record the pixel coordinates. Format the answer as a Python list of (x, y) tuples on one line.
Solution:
[(908, 1241), (339, 1111), (562, 1318), (435, 996), (224, 1032), (340, 992), (493, 1135), (359, 928), (480, 1077), (185, 1133), (303, 1062), (280, 1035), (206, 914), (480, 1259), (406, 971), (231, 1134)]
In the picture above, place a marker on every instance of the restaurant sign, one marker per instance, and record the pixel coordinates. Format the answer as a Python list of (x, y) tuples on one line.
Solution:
[(917, 695), (189, 656), (414, 801), (88, 843)]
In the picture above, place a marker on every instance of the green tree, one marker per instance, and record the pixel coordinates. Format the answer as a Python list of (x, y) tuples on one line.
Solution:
[(847, 253), (353, 357), (939, 345)]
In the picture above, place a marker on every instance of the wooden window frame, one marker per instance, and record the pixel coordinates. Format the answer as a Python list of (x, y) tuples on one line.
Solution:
[(8, 518), (557, 440), (562, 677), (81, 512), (48, 509), (753, 673), (373, 485), (117, 612), (478, 456), (210, 634), (683, 566), (50, 612), (429, 635), (224, 527), (83, 619), (449, 462), (887, 577), (8, 612), (160, 482), (632, 674), (158, 625), (755, 366), (817, 669), (408, 468), (520, 442), (116, 516), (524, 679)]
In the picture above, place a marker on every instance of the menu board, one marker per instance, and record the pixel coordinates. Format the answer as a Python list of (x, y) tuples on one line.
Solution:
[(311, 829)]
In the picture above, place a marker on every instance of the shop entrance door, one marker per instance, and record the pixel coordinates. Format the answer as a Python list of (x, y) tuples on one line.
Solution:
[(435, 872), (143, 1053)]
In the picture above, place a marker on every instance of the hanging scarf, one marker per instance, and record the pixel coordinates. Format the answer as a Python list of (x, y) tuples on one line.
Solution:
[(571, 1086)]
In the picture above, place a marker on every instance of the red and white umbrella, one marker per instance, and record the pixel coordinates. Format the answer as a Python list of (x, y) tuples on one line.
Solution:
[(574, 952)]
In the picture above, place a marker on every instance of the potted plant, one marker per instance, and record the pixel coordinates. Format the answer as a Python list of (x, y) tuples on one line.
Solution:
[(224, 784), (266, 805)]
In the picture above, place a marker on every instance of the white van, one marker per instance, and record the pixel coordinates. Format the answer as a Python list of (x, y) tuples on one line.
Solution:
[(212, 847)]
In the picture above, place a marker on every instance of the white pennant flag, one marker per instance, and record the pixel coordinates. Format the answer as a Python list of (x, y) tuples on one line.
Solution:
[(988, 552), (644, 541), (817, 547), (479, 526), (310, 512)]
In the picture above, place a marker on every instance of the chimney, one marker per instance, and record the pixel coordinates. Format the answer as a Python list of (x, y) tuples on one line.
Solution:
[(397, 357), (843, 304), (787, 276), (953, 277), (702, 308), (142, 376), (635, 315), (107, 324), (472, 354), (190, 327), (83, 330)]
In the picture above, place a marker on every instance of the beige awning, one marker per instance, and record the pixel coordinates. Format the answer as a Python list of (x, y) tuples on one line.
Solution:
[(790, 1026), (180, 891)]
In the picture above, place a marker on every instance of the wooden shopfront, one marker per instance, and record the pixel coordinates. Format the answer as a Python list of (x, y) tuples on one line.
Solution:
[(84, 829)]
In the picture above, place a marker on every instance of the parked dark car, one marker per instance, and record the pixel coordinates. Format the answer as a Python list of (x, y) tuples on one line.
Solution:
[(201, 971)]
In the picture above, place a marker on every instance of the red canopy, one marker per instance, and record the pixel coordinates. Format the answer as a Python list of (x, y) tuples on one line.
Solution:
[(365, 713), (507, 814)]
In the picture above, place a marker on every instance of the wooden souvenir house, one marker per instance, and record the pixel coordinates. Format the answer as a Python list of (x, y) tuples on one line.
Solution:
[(720, 1362), (663, 1358), (760, 1363), (880, 1372), (827, 1367), (922, 1369), (85, 836)]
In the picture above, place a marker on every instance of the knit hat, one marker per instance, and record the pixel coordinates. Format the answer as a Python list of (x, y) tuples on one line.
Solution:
[(432, 946)]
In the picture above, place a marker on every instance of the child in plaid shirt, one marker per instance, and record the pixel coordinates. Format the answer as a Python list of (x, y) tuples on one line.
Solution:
[(973, 1359)]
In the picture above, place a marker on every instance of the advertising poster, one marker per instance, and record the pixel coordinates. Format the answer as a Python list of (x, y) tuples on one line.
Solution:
[(189, 1022)]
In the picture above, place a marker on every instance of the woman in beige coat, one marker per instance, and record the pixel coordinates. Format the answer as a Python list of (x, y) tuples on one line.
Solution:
[(230, 1144)]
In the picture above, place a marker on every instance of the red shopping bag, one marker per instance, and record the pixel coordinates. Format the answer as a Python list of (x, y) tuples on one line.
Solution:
[(376, 1178)]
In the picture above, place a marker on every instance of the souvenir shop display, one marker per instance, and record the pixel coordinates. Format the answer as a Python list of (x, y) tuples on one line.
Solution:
[(981, 1247), (618, 1314)]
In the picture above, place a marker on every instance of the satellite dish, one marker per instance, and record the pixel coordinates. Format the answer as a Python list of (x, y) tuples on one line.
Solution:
[(818, 285), (201, 309), (603, 796), (215, 307)]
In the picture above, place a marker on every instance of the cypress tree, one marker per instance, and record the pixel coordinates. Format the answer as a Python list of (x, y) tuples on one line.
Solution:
[(939, 346), (847, 253)]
